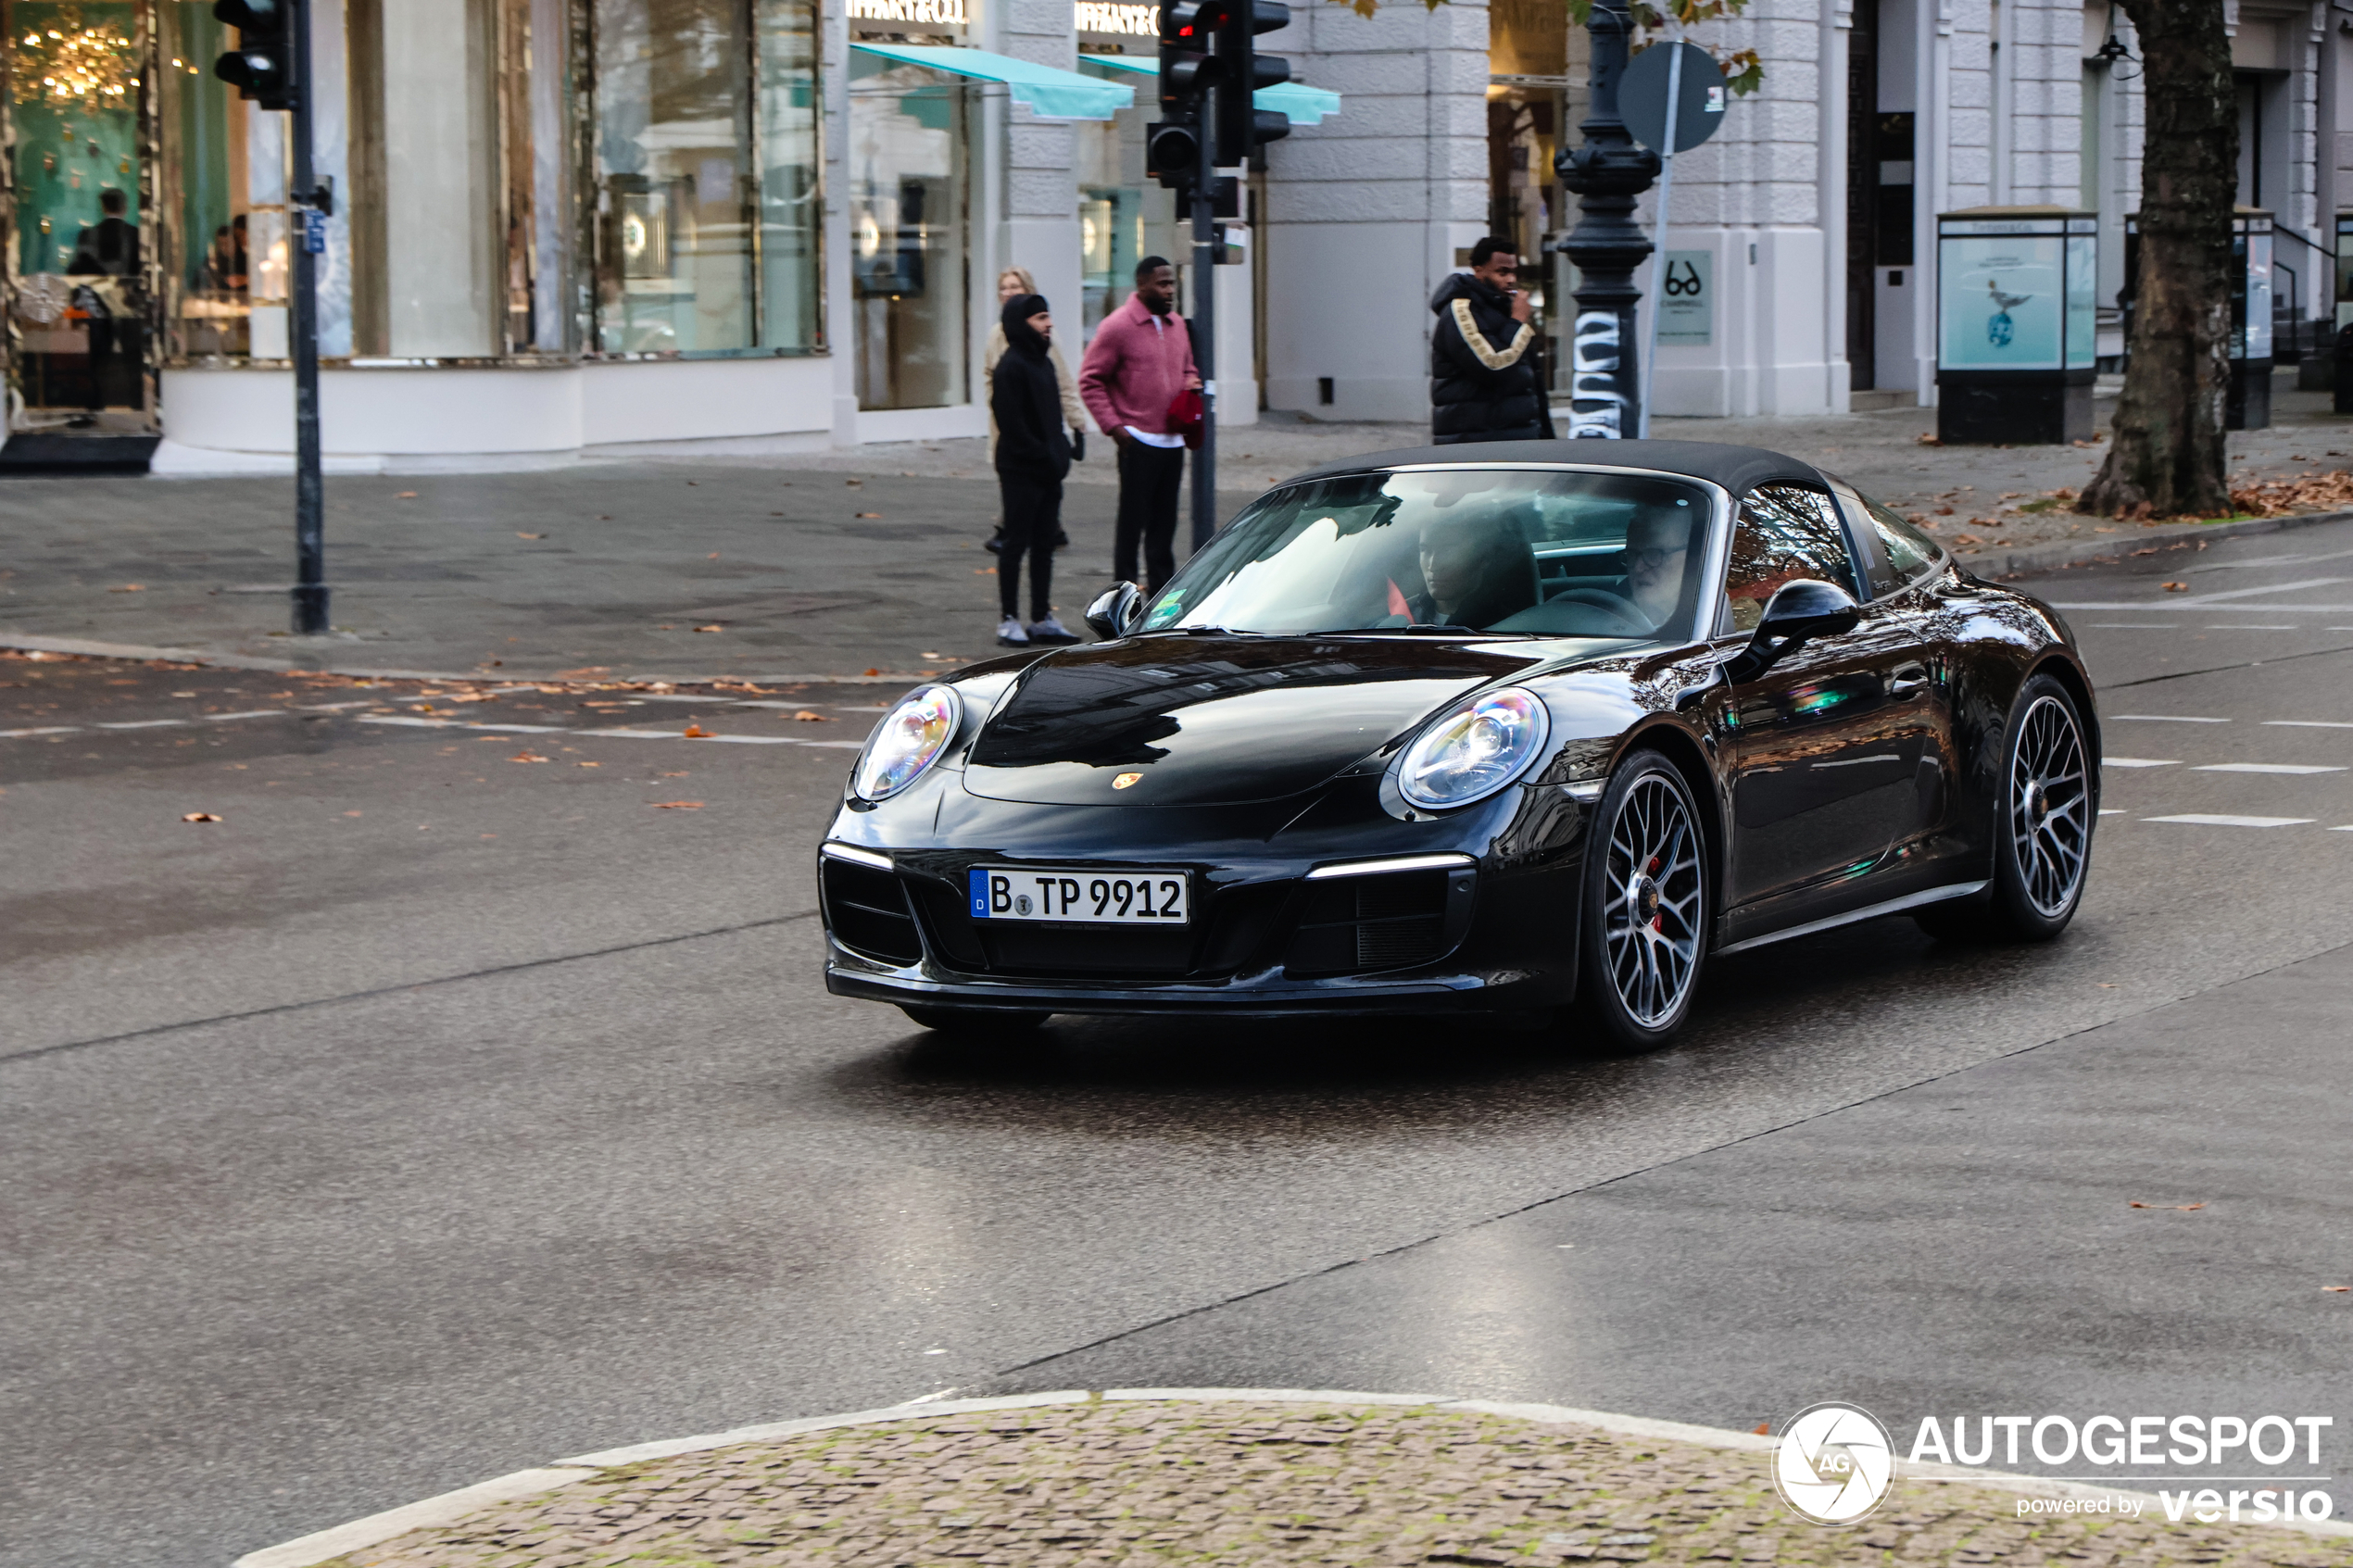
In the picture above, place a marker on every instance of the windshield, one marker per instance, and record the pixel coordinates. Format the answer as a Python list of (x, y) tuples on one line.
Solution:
[(1498, 550)]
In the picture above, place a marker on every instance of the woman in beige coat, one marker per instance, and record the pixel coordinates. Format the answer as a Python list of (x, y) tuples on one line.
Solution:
[(1012, 283)]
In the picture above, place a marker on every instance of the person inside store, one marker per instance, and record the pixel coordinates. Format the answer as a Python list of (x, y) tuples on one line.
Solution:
[(1484, 382), (1033, 458), (1013, 283), (109, 250), (1140, 359)]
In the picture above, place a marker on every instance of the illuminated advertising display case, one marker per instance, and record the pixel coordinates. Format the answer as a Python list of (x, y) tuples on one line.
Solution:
[(2248, 405), (2016, 325)]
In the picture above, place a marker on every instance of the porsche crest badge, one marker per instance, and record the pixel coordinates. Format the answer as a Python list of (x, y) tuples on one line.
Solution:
[(1124, 779)]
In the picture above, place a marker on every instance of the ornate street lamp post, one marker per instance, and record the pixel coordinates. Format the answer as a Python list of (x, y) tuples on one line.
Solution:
[(1607, 171)]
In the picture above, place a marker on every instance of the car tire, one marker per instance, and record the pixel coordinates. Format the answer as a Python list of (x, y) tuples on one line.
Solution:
[(973, 1023), (1643, 910), (2042, 826)]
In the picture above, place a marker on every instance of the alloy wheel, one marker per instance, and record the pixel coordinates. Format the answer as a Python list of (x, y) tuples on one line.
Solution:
[(1653, 893), (2050, 806)]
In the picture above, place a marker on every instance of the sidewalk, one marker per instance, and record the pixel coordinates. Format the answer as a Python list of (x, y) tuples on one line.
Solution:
[(828, 564), (1148, 1482)]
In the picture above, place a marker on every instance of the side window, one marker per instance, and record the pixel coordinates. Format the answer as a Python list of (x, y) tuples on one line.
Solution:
[(1782, 532), (1909, 551)]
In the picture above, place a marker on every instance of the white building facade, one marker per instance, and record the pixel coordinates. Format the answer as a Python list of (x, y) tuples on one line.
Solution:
[(602, 227)]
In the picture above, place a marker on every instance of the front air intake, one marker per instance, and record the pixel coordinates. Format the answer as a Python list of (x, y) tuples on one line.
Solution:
[(1354, 926), (867, 912)]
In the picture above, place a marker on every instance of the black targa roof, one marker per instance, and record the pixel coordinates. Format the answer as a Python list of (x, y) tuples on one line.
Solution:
[(1737, 469)]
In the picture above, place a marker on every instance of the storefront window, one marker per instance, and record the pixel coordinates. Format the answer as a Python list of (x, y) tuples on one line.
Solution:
[(706, 205), (908, 233), (78, 267)]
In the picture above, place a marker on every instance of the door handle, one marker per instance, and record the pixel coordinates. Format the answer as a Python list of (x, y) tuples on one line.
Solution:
[(1910, 681)]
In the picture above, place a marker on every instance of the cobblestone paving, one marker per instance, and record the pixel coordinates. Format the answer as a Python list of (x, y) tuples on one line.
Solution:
[(1149, 1485)]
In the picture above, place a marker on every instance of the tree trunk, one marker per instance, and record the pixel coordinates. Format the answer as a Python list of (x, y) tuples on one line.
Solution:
[(2167, 459)]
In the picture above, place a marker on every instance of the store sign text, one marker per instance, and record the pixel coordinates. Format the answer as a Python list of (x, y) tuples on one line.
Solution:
[(921, 13), (1134, 21)]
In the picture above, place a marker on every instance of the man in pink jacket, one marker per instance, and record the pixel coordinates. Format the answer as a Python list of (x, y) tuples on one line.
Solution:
[(1140, 359)]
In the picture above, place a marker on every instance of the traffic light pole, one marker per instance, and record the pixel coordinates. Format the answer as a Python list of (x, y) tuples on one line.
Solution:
[(310, 500), (1205, 339)]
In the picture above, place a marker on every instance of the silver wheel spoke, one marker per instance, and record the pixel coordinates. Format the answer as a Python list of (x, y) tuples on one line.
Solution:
[(1653, 859)]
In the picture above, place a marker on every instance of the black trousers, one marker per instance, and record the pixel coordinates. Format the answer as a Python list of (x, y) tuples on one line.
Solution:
[(1033, 516), (1148, 480)]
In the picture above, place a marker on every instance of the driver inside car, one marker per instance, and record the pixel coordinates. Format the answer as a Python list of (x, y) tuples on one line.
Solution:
[(1657, 544)]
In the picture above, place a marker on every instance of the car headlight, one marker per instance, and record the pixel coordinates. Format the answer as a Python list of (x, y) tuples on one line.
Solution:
[(910, 739), (1473, 751)]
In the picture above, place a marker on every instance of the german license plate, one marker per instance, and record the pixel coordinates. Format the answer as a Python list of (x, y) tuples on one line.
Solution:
[(1144, 898)]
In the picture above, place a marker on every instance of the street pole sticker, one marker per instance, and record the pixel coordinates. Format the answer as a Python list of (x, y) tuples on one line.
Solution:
[(1833, 1463), (314, 230)]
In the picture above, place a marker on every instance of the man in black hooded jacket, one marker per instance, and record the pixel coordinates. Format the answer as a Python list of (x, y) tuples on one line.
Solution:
[(1483, 360), (1033, 457)]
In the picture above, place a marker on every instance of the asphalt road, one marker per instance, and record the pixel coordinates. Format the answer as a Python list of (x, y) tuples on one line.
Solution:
[(438, 1111)]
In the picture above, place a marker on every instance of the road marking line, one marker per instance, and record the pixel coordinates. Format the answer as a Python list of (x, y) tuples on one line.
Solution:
[(2236, 628), (2202, 820), (2133, 625), (47, 730), (2266, 767), (410, 720), (257, 713), (2111, 810), (2167, 719), (634, 735), (2311, 723), (2140, 761), (2347, 828), (142, 725)]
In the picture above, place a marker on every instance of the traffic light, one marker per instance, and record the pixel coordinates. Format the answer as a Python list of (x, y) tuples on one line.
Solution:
[(262, 66), (1171, 153), (1242, 128), (1188, 70)]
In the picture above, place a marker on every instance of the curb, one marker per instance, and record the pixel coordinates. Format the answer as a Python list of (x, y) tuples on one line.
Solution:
[(323, 1546), (24, 643), (2044, 558)]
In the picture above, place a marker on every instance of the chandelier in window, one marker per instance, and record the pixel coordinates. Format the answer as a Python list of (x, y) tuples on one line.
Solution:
[(85, 65)]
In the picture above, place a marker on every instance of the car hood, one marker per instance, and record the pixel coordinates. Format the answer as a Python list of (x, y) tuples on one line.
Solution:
[(1201, 719)]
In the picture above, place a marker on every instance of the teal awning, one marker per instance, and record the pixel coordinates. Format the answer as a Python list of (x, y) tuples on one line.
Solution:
[(1297, 102), (1051, 93)]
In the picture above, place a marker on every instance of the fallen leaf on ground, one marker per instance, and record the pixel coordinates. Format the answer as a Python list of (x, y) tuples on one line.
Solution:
[(198, 817), (1763, 1429), (679, 775), (714, 556), (587, 764), (871, 671), (130, 588), (696, 732), (2338, 1288), (870, 514), (405, 496), (526, 756), (804, 716), (677, 804), (520, 534), (715, 626), (2177, 587), (1929, 438), (351, 813), (1967, 539)]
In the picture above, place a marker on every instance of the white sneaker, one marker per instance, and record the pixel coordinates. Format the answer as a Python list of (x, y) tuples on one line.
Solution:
[(1010, 635), (1050, 630)]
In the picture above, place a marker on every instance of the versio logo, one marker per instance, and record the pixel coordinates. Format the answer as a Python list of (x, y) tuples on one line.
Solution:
[(1833, 1463)]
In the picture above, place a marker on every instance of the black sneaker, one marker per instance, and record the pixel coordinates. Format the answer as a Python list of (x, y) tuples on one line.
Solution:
[(996, 546), (1062, 539)]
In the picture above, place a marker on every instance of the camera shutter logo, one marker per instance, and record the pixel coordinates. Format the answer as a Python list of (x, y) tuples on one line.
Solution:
[(1833, 1463)]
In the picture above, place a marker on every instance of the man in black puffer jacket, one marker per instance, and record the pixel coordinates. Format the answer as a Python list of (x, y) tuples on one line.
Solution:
[(1483, 361)]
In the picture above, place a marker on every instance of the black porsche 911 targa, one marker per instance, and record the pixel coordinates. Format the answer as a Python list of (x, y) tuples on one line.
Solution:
[(1501, 728)]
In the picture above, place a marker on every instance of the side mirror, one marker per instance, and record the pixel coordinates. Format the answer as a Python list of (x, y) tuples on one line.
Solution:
[(1116, 610), (1799, 611)]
